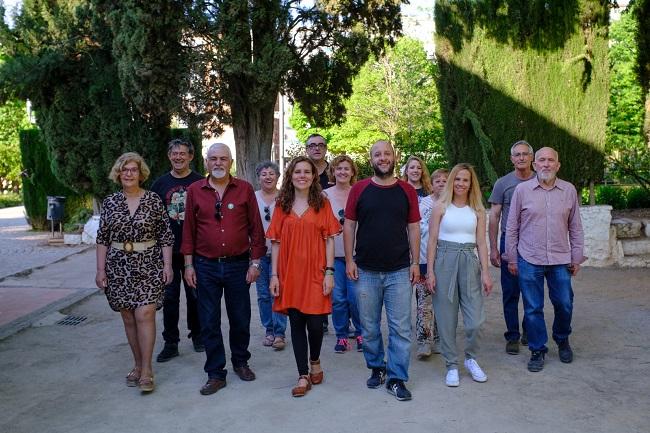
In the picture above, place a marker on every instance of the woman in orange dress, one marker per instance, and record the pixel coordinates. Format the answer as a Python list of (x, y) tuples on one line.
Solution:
[(302, 234)]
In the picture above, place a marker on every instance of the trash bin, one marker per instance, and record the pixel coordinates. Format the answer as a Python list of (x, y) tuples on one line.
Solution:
[(55, 207)]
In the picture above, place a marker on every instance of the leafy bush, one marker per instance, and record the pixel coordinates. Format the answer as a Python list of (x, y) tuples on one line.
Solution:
[(638, 198), (10, 199), (611, 195)]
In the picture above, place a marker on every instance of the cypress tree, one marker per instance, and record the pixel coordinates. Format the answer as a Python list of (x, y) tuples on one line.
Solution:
[(534, 70)]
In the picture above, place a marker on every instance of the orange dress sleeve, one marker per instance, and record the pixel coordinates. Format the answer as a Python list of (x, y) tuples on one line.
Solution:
[(274, 231)]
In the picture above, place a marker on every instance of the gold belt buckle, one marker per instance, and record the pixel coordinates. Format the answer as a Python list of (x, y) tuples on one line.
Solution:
[(128, 246)]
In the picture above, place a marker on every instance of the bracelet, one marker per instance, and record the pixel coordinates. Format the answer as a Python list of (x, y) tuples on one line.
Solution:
[(328, 272), (189, 265), (274, 275), (329, 268), (415, 264)]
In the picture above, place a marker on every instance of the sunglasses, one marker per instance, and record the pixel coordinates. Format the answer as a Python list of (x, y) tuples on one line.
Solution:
[(267, 213), (218, 215), (315, 145), (341, 217)]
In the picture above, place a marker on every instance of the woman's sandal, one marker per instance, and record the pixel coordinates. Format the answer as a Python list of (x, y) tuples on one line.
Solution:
[(316, 378), (133, 377), (146, 384), (300, 391)]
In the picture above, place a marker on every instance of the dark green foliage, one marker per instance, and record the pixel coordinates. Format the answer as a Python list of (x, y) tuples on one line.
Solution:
[(250, 51), (638, 198), (612, 195), (642, 12), (533, 70), (39, 181)]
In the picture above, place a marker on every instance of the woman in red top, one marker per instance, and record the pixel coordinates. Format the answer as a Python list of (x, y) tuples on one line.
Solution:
[(302, 233)]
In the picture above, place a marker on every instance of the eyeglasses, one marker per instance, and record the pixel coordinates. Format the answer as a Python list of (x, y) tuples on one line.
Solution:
[(520, 154), (341, 218), (315, 145), (267, 213), (126, 170), (218, 215)]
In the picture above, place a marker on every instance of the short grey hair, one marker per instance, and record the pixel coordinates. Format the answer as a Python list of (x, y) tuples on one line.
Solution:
[(267, 164), (214, 146), (176, 142), (520, 143)]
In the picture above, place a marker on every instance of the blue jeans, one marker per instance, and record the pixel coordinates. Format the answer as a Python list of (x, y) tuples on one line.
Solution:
[(213, 280), (274, 323), (392, 290), (171, 304), (344, 302), (531, 281), (511, 291)]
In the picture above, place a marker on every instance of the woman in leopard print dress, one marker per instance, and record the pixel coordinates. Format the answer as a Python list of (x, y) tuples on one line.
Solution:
[(134, 247)]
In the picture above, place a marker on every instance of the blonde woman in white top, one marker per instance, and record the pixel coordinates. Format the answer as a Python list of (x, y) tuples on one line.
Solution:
[(454, 273)]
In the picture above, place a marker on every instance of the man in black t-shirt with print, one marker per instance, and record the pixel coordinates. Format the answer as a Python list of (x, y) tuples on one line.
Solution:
[(383, 212), (172, 187)]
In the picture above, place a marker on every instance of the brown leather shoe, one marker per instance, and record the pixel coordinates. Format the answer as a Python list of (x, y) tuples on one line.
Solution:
[(316, 378), (300, 391), (245, 373), (212, 386)]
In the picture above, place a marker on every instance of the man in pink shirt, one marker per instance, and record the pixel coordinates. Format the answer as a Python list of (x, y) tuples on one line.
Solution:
[(544, 239)]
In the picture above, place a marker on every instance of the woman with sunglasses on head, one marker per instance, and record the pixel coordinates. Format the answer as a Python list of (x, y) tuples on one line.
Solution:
[(302, 261), (454, 272), (343, 171), (275, 324)]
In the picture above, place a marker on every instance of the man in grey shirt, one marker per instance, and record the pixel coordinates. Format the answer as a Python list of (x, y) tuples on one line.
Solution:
[(521, 155)]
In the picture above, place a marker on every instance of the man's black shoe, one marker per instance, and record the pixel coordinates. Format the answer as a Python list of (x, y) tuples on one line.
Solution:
[(524, 338), (565, 352), (396, 387), (245, 373), (536, 362), (170, 350), (512, 347), (212, 386), (377, 377)]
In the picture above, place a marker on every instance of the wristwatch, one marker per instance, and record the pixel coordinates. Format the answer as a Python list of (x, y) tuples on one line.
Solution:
[(256, 265)]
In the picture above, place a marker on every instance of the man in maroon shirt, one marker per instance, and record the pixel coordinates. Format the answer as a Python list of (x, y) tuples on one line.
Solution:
[(223, 241), (544, 240)]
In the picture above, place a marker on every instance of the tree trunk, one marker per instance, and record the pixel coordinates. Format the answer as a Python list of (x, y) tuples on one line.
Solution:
[(253, 131)]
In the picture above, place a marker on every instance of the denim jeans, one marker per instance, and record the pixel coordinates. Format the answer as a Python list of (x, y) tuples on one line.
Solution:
[(344, 302), (531, 281), (171, 304), (274, 323), (511, 291), (391, 290), (215, 279)]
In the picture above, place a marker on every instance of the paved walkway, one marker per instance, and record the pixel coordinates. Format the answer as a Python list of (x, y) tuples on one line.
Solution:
[(56, 378), (22, 252)]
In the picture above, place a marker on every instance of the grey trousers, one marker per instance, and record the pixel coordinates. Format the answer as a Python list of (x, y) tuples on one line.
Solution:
[(458, 284)]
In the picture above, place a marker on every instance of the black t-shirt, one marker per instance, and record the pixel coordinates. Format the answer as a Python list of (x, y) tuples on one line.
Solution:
[(382, 214), (324, 179), (173, 191)]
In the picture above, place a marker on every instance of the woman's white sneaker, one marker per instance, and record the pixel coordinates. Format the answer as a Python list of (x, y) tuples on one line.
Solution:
[(475, 370), (452, 378)]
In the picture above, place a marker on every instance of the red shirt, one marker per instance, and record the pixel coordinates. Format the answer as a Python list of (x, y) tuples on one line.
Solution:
[(239, 229)]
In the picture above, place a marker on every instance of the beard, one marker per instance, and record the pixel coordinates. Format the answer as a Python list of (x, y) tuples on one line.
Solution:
[(383, 175), (548, 176), (218, 173)]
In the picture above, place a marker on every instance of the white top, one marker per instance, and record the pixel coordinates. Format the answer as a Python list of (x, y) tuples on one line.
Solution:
[(426, 207), (265, 224), (338, 209), (458, 224)]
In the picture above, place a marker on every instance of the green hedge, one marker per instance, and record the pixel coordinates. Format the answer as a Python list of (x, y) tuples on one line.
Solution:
[(39, 182), (619, 197), (10, 199)]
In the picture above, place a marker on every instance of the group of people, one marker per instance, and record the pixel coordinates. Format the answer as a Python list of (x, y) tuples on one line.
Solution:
[(326, 243)]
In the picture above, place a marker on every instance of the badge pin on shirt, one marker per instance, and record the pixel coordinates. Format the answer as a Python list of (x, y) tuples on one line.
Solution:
[(231, 206)]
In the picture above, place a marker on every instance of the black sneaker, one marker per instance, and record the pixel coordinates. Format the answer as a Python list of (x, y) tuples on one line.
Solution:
[(377, 377), (396, 387), (536, 362), (565, 352), (512, 347), (170, 350), (524, 338)]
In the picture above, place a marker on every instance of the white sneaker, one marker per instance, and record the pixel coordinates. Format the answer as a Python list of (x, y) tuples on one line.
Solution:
[(452, 378), (475, 370)]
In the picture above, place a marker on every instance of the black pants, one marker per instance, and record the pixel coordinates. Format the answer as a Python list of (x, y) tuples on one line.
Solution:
[(171, 305), (306, 335)]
